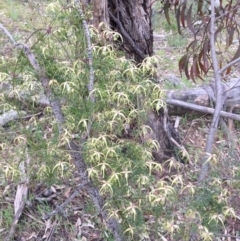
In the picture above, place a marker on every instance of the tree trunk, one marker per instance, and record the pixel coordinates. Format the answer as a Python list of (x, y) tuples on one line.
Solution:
[(99, 10), (132, 19)]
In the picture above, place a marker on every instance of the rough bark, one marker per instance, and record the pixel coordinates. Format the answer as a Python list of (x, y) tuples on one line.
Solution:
[(132, 19), (99, 11), (157, 133)]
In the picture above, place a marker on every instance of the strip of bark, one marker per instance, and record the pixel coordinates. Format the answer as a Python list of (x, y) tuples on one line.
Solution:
[(139, 54)]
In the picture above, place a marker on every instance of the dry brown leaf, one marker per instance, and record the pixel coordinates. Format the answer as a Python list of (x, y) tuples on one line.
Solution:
[(49, 230), (67, 192), (33, 235), (78, 223), (6, 190), (53, 189), (58, 187)]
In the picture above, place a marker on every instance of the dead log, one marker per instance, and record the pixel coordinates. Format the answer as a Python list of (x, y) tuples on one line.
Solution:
[(199, 98)]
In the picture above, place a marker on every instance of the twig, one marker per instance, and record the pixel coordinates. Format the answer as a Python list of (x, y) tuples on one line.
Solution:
[(90, 62), (60, 208), (7, 33), (112, 224), (226, 236), (228, 65), (227, 12)]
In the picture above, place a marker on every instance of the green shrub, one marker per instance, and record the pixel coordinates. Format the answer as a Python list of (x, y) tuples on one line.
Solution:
[(119, 163)]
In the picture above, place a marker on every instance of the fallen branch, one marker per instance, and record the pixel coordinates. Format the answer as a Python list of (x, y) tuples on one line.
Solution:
[(203, 95), (21, 195), (10, 115), (202, 109), (199, 99)]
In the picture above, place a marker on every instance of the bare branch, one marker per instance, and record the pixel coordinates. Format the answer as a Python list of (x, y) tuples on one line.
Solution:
[(228, 65), (219, 99), (89, 52), (203, 109), (7, 33)]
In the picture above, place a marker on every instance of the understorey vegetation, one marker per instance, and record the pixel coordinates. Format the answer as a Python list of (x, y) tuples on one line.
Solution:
[(78, 147)]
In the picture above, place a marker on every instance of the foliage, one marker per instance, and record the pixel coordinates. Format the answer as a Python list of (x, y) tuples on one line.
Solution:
[(194, 16), (6, 216), (173, 39), (137, 193)]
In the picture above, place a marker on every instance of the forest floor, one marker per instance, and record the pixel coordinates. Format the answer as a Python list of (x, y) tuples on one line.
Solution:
[(193, 128), (79, 221)]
